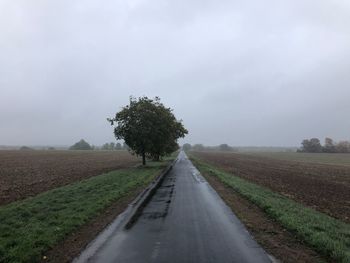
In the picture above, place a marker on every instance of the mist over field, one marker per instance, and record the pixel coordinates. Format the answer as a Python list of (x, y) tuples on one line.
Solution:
[(236, 72)]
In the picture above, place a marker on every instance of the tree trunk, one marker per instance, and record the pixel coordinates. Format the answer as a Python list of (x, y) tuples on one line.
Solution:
[(143, 158)]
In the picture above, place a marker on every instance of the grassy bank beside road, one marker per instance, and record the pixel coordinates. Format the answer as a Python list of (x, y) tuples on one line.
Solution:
[(30, 227), (325, 234)]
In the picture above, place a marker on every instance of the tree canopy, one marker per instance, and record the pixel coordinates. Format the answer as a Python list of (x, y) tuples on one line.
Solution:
[(148, 128)]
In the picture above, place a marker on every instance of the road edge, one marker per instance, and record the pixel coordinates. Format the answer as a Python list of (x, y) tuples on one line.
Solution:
[(292, 243), (125, 219), (143, 199)]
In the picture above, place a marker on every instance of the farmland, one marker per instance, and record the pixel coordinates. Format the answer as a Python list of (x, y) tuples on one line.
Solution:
[(28, 173), (73, 196), (283, 187), (323, 187), (321, 158), (322, 233), (30, 227)]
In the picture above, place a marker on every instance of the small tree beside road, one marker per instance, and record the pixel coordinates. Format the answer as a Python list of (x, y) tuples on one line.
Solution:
[(148, 128)]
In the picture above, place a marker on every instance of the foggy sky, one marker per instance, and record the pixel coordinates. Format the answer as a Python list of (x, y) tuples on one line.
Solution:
[(238, 72)]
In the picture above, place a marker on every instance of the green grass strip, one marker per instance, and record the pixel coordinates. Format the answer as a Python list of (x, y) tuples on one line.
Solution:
[(30, 227), (325, 234)]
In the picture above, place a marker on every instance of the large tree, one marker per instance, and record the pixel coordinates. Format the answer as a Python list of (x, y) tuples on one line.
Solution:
[(148, 127)]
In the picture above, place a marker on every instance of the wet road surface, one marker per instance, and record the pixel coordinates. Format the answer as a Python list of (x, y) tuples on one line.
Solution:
[(185, 221)]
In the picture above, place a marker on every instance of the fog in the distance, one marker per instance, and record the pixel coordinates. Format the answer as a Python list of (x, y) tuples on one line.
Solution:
[(238, 72)]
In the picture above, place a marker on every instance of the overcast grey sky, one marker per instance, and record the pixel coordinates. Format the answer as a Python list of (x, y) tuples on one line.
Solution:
[(240, 72)]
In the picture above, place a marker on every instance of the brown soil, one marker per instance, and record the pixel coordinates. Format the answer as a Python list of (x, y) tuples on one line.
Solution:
[(270, 235), (71, 247), (28, 173), (325, 188)]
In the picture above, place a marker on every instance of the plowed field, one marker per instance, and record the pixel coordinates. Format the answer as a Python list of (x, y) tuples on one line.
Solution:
[(27, 173), (324, 187)]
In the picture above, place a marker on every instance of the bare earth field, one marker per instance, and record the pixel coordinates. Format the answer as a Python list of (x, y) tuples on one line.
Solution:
[(324, 187), (280, 243), (28, 173), (321, 158)]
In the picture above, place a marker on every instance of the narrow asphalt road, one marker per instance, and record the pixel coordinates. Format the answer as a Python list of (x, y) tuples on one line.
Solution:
[(185, 221)]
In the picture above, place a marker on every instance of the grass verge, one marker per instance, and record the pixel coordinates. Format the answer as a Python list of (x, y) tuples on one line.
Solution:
[(328, 236), (30, 227)]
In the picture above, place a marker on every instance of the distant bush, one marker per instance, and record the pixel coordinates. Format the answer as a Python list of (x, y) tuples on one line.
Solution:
[(225, 147), (198, 147), (26, 148), (81, 145), (118, 146), (187, 147)]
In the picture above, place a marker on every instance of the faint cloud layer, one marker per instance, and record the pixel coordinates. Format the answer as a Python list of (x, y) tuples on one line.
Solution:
[(240, 72)]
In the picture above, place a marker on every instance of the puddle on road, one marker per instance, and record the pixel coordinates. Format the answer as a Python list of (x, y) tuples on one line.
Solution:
[(159, 205)]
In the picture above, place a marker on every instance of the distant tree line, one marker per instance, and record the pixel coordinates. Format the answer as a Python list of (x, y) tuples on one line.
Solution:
[(111, 146), (26, 148), (313, 145), (200, 147), (114, 146)]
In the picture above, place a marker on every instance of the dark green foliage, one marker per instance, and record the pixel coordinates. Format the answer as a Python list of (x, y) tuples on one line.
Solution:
[(81, 145), (148, 128), (30, 227)]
